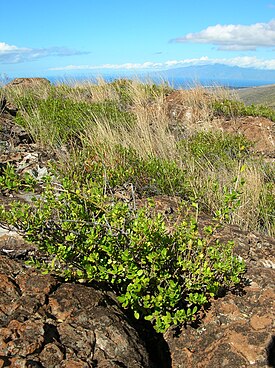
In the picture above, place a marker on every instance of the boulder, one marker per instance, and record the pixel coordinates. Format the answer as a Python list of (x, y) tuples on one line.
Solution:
[(28, 83), (45, 323), (13, 133), (3, 102), (17, 147)]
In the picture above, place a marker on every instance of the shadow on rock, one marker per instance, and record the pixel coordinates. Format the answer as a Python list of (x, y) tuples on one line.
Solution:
[(155, 343), (270, 350)]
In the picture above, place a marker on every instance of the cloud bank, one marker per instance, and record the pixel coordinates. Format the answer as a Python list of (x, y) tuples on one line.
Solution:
[(234, 37), (242, 61), (10, 54)]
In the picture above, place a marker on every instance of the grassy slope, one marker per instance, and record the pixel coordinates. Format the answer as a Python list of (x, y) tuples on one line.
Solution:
[(126, 132), (264, 95)]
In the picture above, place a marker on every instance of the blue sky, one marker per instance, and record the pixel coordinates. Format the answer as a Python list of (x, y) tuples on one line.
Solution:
[(66, 37)]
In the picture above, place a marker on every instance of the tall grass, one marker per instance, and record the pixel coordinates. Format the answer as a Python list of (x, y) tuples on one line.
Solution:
[(161, 141)]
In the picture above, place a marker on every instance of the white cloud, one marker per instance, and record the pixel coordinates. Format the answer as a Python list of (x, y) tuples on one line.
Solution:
[(241, 61), (148, 65), (4, 47), (10, 54), (125, 66), (234, 37), (247, 62)]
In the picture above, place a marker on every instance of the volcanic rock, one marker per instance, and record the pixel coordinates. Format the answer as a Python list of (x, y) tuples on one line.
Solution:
[(28, 82), (238, 329), (52, 324)]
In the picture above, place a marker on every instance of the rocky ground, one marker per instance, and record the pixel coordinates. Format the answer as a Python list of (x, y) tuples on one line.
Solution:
[(45, 322), (260, 130)]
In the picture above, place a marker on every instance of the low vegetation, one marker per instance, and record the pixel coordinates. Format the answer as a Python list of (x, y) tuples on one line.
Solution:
[(112, 138), (233, 109), (12, 182), (164, 277)]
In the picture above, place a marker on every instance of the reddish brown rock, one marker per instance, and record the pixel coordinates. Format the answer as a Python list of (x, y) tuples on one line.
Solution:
[(28, 83), (261, 322), (51, 356), (47, 324), (238, 330), (259, 130), (22, 338), (190, 109), (90, 330)]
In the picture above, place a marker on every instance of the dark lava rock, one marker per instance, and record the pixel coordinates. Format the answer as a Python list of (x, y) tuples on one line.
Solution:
[(12, 133), (17, 147), (3, 102), (238, 330), (44, 323), (6, 107)]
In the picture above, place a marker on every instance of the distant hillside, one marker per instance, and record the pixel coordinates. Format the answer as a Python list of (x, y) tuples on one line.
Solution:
[(258, 95), (219, 73)]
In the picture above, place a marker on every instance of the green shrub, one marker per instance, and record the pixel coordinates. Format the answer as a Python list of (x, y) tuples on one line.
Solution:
[(233, 109), (149, 176), (63, 119), (260, 110), (228, 108), (163, 277), (216, 147), (11, 181), (127, 90)]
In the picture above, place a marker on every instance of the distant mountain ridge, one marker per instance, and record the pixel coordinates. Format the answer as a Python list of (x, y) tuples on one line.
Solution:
[(215, 72), (184, 77)]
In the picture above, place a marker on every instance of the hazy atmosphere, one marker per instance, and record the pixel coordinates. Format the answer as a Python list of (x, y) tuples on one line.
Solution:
[(85, 37)]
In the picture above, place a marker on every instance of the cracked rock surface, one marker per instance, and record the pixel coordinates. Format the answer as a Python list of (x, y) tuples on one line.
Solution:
[(45, 323), (238, 330)]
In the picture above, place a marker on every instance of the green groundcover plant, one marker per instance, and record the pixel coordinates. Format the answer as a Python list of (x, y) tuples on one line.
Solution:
[(232, 109), (165, 277), (11, 181)]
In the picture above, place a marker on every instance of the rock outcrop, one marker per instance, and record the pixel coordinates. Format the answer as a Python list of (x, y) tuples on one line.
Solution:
[(28, 83), (45, 323), (6, 107), (17, 146), (259, 130)]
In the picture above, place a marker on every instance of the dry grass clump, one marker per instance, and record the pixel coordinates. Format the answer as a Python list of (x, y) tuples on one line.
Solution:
[(87, 91), (150, 135)]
